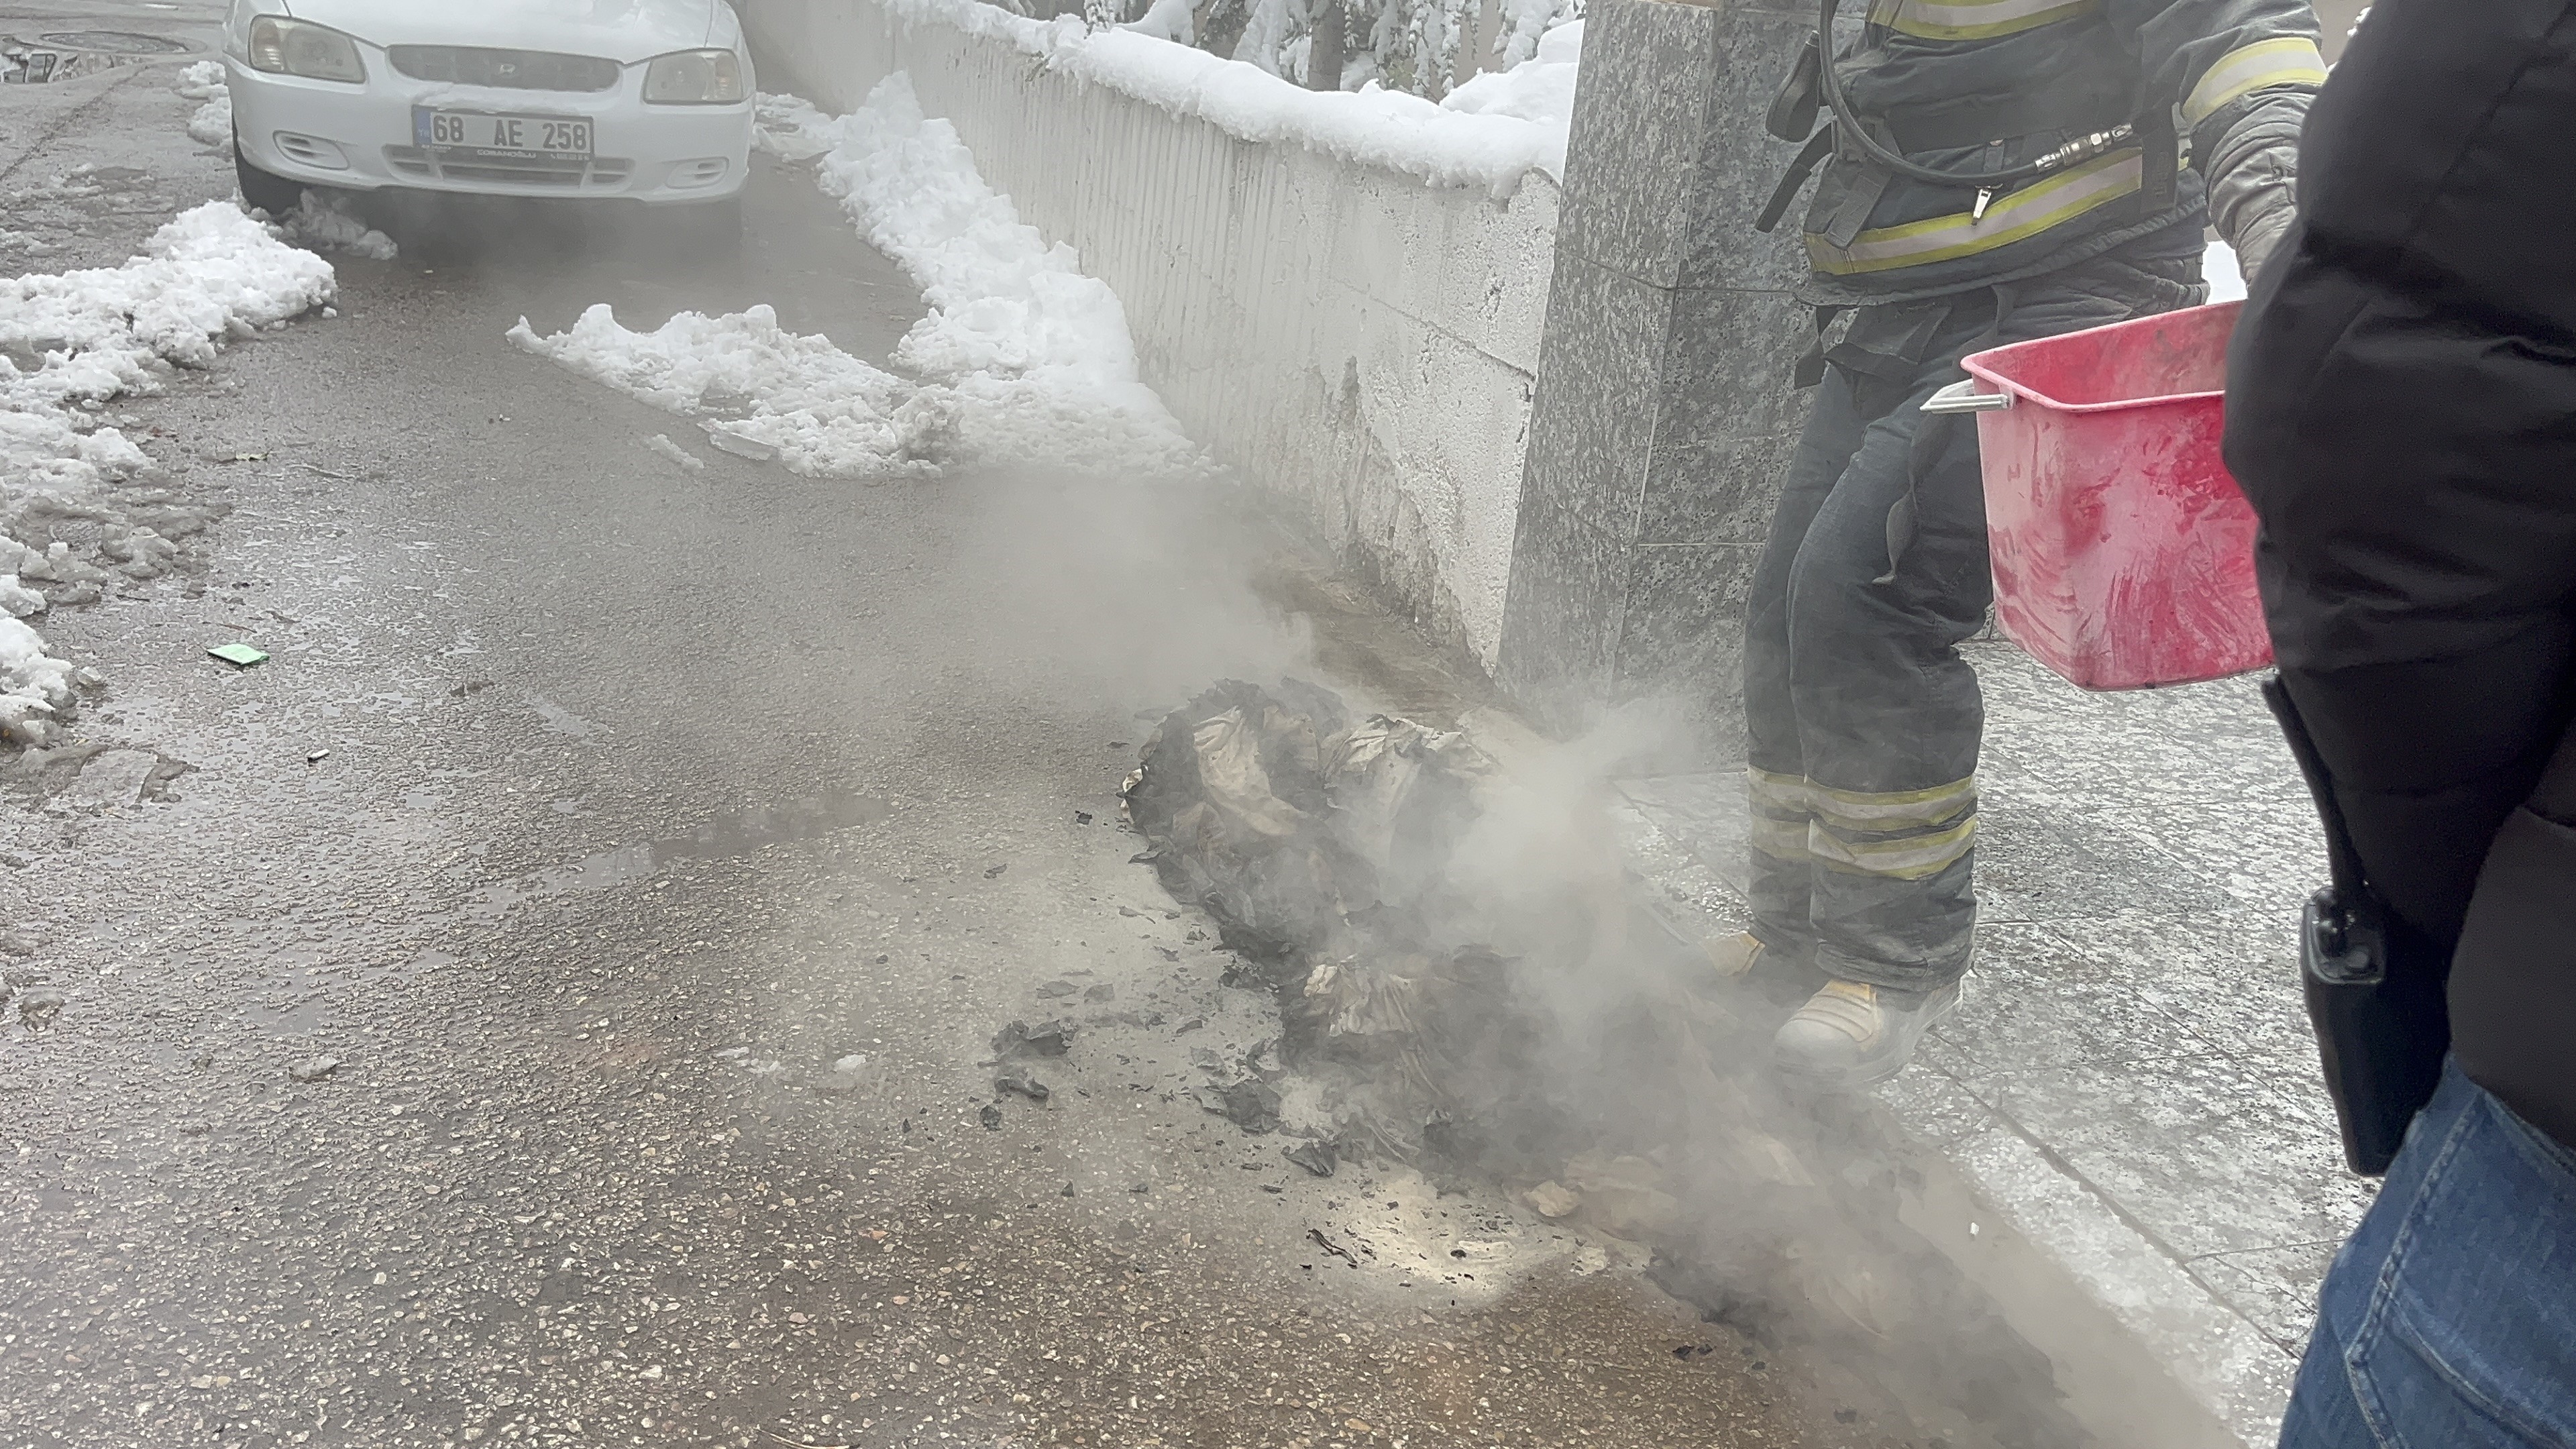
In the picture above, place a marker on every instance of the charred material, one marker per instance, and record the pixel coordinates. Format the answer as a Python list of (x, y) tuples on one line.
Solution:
[(1470, 983), (1320, 843)]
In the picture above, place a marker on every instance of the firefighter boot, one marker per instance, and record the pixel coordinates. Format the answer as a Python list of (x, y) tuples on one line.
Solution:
[(1743, 966), (1850, 1034)]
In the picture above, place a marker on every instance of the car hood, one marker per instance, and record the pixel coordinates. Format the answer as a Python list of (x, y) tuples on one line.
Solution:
[(620, 30)]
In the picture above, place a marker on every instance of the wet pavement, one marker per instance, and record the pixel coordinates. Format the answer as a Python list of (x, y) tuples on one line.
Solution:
[(551, 1001)]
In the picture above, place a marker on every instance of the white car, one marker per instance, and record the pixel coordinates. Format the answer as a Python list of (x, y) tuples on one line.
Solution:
[(647, 100)]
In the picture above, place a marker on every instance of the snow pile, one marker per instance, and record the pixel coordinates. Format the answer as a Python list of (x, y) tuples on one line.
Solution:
[(781, 129), (688, 462), (1372, 126), (1022, 360), (210, 273), (69, 344), (1038, 354), (35, 688), (1539, 90), (317, 222), (212, 125), (827, 414)]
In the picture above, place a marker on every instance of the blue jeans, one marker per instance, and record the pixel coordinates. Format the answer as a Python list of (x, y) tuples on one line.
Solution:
[(2449, 1320)]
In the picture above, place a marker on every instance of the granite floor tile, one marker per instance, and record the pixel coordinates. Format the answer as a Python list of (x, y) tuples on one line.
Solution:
[(1935, 1108), (2209, 1158), (2223, 707), (1705, 813), (2035, 866), (2194, 744), (2232, 977), (2275, 1288), (2033, 1000), (2252, 855), (1716, 796), (1661, 853)]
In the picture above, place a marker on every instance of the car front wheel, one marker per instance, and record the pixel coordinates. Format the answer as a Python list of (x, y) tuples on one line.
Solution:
[(263, 190)]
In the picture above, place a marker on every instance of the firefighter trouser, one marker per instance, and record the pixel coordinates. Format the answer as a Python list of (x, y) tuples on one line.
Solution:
[(1863, 718)]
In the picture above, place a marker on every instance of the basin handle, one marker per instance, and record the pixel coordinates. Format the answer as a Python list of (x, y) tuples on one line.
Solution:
[(1963, 397)]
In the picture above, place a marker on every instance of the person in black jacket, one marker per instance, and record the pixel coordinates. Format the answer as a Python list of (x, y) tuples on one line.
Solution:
[(2402, 413)]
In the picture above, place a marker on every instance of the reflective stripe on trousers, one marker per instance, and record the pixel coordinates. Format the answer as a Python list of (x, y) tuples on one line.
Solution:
[(1862, 717), (1897, 834)]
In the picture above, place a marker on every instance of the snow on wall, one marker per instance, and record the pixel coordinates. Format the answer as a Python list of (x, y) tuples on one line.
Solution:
[(1339, 295)]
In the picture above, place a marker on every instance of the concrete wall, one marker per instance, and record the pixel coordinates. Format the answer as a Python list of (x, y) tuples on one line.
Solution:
[(1345, 335)]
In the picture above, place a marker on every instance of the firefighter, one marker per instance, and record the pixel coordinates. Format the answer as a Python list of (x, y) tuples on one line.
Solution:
[(1992, 171)]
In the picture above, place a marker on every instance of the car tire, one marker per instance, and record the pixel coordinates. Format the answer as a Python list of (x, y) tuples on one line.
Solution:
[(263, 190)]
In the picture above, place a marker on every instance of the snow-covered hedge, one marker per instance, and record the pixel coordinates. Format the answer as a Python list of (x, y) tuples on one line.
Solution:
[(1488, 133), (1416, 46)]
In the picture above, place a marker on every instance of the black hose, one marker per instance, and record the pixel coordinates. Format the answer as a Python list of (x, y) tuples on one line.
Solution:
[(1896, 162)]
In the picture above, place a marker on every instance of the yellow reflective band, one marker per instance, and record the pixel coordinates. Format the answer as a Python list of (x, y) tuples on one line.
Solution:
[(1975, 19), (1776, 794), (1880, 812), (1911, 858), (2016, 217), (2291, 61), (1779, 839)]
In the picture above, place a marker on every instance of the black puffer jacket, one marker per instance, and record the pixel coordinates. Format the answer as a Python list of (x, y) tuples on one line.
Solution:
[(2402, 412)]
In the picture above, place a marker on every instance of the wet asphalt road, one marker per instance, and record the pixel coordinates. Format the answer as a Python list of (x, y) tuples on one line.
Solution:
[(680, 844)]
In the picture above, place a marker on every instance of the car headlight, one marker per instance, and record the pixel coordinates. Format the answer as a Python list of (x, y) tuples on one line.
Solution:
[(694, 78), (281, 45)]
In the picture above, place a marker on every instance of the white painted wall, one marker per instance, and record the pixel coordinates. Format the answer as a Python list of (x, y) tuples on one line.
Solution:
[(1349, 335)]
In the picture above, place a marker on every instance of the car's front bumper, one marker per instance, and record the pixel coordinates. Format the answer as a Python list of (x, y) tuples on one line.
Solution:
[(324, 133)]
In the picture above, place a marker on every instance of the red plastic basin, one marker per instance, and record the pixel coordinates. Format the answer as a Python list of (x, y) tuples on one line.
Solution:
[(2123, 552)]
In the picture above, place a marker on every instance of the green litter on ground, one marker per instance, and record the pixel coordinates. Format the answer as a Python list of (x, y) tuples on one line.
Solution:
[(241, 654)]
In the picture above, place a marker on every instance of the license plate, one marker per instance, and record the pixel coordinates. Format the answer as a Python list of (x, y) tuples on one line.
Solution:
[(510, 135)]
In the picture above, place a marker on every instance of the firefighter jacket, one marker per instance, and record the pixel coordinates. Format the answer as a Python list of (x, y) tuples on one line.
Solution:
[(1968, 86), (2401, 410)]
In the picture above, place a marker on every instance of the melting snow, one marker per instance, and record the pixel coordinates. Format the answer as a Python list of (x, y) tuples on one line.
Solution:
[(212, 125), (317, 222), (70, 343), (827, 413), (1037, 353), (688, 462), (320, 222), (1021, 360)]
